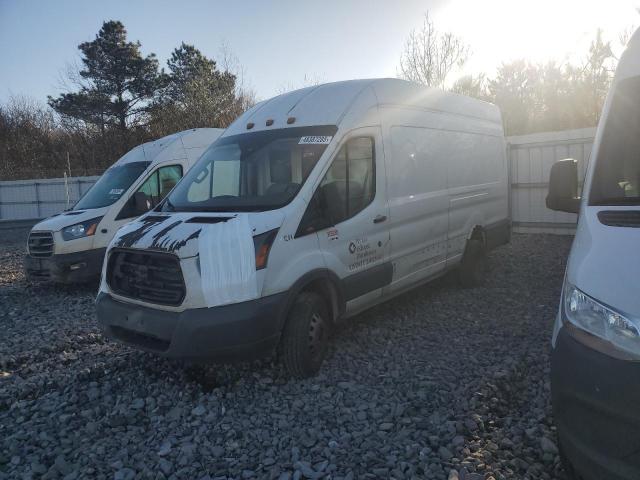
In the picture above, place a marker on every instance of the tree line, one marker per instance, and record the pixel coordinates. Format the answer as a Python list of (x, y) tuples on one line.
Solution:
[(532, 97), (118, 98)]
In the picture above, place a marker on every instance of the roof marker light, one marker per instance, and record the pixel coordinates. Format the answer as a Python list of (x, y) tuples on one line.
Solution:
[(290, 120), (269, 122), (250, 125)]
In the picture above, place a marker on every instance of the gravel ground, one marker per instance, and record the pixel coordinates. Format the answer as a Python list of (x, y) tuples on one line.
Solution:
[(440, 383)]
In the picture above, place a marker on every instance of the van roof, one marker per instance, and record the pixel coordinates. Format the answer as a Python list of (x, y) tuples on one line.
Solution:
[(629, 65), (327, 104), (171, 147)]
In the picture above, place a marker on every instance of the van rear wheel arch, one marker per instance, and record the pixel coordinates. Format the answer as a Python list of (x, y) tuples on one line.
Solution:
[(473, 266)]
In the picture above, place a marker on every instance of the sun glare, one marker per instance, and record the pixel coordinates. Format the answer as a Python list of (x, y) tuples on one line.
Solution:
[(503, 30)]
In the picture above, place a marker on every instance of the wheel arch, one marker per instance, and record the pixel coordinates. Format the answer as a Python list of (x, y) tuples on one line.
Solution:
[(323, 282)]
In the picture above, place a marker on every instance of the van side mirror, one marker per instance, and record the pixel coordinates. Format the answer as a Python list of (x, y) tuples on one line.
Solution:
[(138, 204), (142, 203), (563, 186), (316, 216)]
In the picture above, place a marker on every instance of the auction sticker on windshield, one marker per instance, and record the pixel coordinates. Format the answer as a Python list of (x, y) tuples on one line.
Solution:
[(315, 140)]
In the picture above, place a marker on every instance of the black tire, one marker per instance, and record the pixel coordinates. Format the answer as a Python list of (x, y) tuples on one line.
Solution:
[(473, 267), (569, 471), (305, 336)]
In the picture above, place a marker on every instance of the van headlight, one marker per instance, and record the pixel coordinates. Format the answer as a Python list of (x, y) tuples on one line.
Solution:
[(79, 230), (586, 313)]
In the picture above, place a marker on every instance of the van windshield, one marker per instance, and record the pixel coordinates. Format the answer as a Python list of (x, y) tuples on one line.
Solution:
[(111, 185), (616, 178), (253, 171)]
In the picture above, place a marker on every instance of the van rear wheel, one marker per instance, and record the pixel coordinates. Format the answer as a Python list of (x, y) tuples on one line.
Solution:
[(306, 335), (473, 267)]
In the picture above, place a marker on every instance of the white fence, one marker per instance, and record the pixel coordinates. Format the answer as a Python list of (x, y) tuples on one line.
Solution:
[(530, 159), (34, 199)]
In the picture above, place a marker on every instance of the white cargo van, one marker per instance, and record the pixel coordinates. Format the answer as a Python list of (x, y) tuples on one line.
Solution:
[(312, 206), (69, 247), (595, 363)]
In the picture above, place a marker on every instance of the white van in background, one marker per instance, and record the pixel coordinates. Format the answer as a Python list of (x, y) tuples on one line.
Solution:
[(311, 207), (595, 363), (69, 247)]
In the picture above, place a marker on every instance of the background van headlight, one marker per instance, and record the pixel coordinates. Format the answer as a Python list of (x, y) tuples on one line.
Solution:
[(588, 314), (79, 230)]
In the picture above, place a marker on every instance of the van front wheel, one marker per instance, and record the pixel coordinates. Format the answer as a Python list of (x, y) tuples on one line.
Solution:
[(306, 335), (473, 267)]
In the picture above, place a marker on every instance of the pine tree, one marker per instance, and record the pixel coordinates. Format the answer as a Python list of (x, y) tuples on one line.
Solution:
[(116, 82)]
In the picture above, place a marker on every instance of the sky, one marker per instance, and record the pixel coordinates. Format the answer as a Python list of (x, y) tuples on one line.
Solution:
[(287, 44)]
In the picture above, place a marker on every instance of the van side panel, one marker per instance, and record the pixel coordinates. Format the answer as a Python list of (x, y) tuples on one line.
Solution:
[(446, 174), (476, 172), (418, 202)]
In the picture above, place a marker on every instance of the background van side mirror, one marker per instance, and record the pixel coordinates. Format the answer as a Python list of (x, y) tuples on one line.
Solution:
[(138, 204), (563, 186), (142, 203)]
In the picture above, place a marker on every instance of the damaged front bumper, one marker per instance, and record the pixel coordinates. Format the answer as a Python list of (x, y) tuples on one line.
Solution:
[(239, 331)]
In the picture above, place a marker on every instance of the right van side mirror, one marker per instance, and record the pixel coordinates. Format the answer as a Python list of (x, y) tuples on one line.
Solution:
[(563, 186)]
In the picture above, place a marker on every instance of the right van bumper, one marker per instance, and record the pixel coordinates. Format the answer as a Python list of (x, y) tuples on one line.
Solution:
[(596, 407), (76, 267), (240, 331)]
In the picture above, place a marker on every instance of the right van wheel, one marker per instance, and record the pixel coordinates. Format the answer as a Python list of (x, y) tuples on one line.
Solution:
[(305, 336), (473, 267)]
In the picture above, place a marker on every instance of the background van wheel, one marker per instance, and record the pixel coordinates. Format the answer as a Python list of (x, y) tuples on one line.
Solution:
[(306, 335), (473, 267)]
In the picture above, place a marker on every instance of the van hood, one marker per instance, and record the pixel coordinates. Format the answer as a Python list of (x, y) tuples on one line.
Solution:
[(605, 260), (59, 221), (178, 233)]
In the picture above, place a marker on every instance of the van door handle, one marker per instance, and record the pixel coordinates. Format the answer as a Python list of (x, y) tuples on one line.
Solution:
[(379, 218)]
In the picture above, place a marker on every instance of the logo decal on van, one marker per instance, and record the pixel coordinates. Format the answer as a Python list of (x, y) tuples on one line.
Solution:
[(364, 254), (315, 140), (332, 234)]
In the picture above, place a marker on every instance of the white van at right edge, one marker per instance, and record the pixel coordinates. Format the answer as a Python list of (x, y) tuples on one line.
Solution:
[(595, 369)]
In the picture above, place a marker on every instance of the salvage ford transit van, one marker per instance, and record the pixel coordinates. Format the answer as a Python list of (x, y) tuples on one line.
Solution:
[(595, 362), (312, 206), (69, 247)]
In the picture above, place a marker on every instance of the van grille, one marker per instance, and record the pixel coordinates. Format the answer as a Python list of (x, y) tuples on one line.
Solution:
[(620, 218), (148, 276), (40, 244)]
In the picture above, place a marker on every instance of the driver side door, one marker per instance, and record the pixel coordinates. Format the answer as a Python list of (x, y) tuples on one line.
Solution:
[(352, 197)]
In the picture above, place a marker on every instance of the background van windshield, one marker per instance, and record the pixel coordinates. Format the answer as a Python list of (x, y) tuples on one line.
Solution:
[(616, 178), (111, 185), (253, 171)]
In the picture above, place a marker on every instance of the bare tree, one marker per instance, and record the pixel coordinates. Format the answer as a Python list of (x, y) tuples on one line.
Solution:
[(245, 93), (429, 56), (476, 86), (309, 80)]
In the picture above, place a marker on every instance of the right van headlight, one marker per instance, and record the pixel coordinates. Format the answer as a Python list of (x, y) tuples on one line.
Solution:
[(590, 315)]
